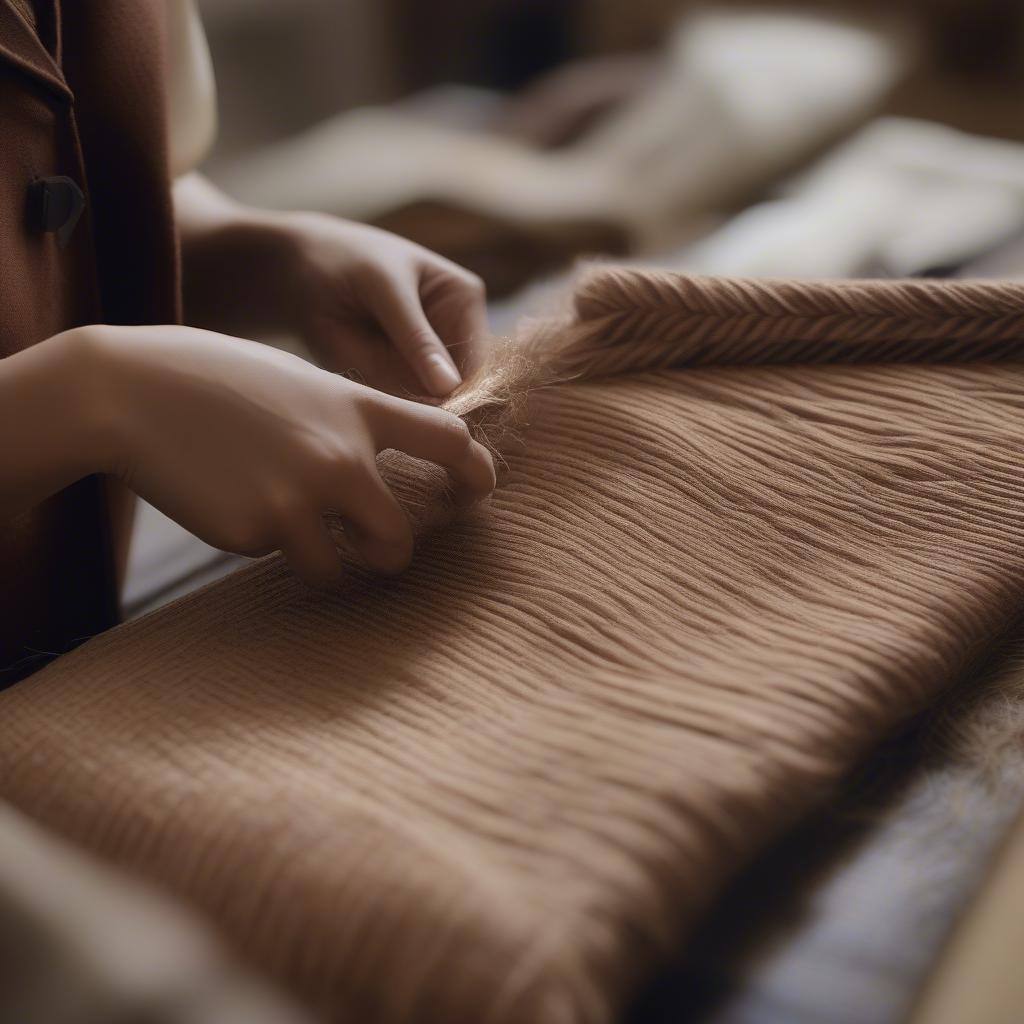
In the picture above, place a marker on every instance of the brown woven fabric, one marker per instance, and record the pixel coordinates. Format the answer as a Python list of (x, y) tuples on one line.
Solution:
[(496, 789)]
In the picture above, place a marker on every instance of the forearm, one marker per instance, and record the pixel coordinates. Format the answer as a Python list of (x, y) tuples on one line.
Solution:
[(232, 259), (50, 421)]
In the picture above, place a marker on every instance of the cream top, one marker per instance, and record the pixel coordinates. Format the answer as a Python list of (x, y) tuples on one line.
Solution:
[(191, 88)]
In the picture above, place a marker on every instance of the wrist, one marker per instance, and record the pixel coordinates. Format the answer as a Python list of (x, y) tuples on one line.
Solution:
[(85, 385), (51, 421)]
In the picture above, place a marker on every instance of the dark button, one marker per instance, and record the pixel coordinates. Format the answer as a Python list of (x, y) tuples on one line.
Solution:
[(56, 204)]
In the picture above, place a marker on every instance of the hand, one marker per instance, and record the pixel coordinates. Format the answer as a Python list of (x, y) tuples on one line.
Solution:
[(393, 314), (404, 319), (247, 446)]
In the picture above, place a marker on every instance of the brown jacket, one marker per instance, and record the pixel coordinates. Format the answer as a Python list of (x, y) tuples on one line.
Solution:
[(82, 96)]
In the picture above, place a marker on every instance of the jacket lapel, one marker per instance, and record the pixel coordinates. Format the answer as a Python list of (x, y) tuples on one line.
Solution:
[(21, 47)]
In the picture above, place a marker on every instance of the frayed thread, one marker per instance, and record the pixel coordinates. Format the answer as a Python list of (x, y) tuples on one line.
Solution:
[(621, 320)]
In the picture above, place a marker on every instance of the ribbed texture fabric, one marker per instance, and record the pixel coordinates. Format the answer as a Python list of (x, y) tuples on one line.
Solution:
[(496, 789), (628, 320)]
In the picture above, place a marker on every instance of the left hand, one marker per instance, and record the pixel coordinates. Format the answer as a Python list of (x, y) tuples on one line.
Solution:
[(387, 311)]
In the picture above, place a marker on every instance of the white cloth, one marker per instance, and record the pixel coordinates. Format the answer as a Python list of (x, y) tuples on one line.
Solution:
[(744, 96), (901, 198)]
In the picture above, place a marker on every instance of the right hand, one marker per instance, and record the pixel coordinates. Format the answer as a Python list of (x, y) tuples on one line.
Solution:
[(247, 446)]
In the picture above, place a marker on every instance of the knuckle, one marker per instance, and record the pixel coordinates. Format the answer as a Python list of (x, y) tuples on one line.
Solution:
[(455, 431), (247, 535), (336, 456), (421, 341), (342, 457), (474, 284), (284, 505), (349, 458)]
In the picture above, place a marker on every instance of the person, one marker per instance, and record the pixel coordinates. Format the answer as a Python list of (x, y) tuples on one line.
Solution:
[(104, 385)]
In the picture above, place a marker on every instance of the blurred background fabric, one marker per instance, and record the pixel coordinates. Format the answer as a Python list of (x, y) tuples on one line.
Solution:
[(831, 139), (82, 944), (285, 66)]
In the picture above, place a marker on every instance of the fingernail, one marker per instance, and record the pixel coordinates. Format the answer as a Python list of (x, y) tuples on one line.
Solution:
[(442, 377)]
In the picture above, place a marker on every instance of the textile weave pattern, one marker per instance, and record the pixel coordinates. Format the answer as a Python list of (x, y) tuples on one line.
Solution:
[(497, 789)]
